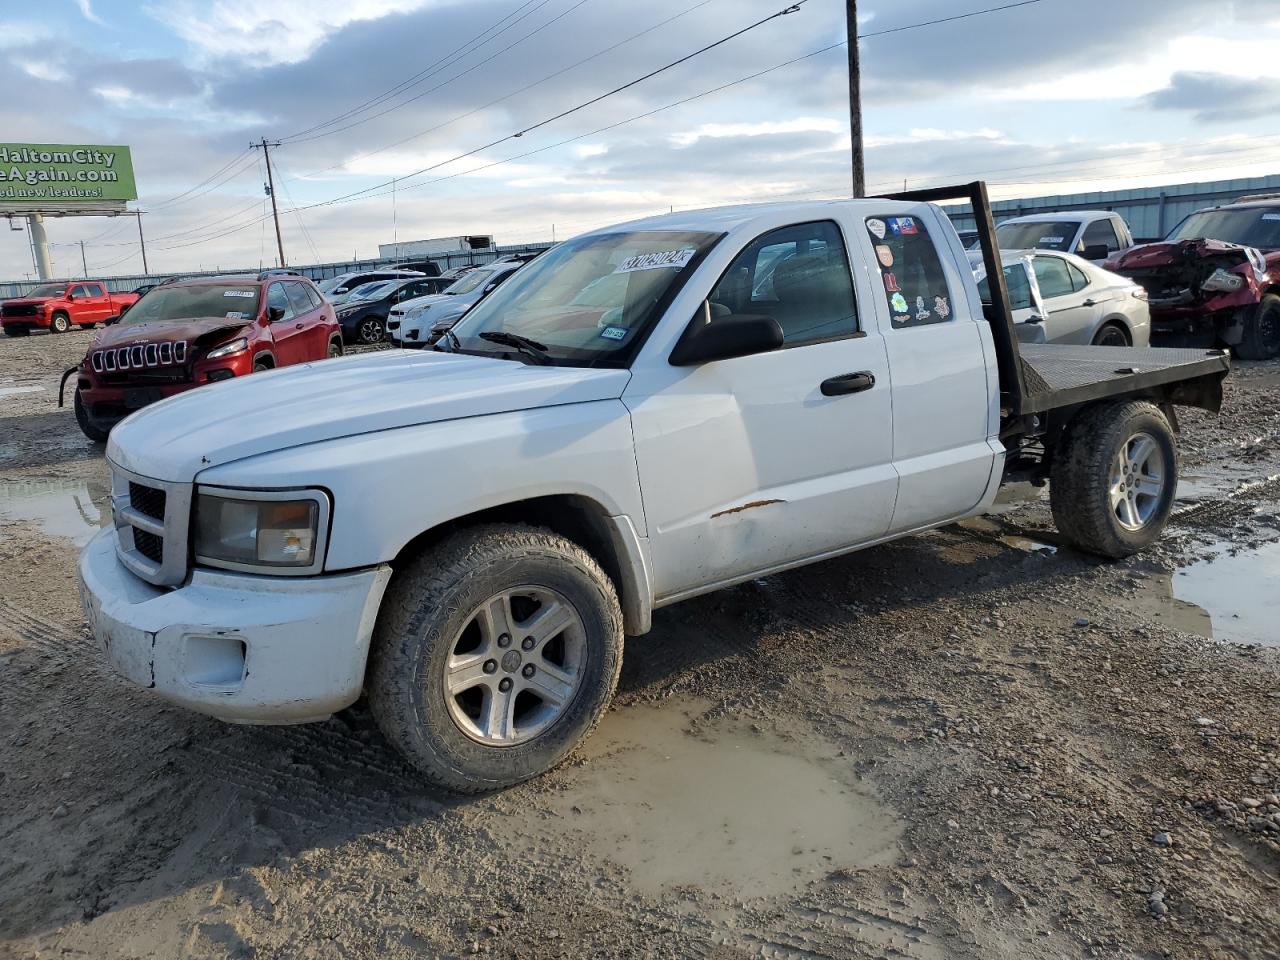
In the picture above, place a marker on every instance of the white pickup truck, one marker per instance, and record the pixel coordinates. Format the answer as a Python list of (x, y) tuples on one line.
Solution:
[(469, 534)]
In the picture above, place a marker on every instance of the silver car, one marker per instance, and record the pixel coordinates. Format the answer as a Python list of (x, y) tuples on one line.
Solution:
[(1062, 298)]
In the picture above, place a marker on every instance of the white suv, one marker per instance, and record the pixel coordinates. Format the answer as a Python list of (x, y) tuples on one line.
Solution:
[(336, 288), (421, 322)]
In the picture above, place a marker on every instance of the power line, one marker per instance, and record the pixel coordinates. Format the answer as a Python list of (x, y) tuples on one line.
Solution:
[(522, 89), (448, 60), (445, 83), (213, 176)]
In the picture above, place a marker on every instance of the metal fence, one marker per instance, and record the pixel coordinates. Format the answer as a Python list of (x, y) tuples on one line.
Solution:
[(318, 271)]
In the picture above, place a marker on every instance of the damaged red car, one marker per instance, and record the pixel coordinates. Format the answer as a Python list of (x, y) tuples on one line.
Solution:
[(195, 332), (1215, 280)]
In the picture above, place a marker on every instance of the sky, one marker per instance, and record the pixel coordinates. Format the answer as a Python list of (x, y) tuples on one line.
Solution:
[(1046, 97)]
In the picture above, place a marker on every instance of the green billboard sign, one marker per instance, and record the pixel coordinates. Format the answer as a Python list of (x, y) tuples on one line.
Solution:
[(49, 175)]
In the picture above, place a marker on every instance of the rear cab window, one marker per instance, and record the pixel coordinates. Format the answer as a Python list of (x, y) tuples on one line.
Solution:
[(911, 271)]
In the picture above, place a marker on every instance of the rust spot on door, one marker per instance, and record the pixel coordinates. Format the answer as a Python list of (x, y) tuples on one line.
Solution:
[(746, 506)]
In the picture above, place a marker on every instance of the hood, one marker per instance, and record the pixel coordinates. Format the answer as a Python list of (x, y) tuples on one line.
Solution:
[(127, 334), (427, 301), (1162, 254), (26, 301), (175, 439)]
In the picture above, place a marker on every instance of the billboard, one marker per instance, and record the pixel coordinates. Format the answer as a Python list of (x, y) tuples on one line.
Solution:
[(64, 178)]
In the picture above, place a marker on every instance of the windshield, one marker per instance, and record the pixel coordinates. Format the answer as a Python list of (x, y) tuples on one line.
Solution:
[(163, 304), (47, 290), (472, 280), (371, 291), (1044, 235), (1251, 227), (589, 300)]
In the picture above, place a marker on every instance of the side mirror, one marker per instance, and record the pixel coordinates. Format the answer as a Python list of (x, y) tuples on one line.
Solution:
[(1096, 251), (71, 298), (275, 314), (738, 335)]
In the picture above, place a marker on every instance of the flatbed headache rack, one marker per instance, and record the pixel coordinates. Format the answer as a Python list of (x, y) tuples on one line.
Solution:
[(1041, 382)]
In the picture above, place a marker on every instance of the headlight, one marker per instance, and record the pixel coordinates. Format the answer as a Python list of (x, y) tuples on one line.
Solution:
[(416, 312), (238, 345), (253, 529)]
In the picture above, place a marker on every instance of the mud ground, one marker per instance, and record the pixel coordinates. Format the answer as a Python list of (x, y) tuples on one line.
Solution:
[(968, 744)]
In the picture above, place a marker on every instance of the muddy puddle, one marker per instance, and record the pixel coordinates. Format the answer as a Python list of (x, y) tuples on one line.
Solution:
[(1233, 596), (74, 509), (722, 808), (992, 528)]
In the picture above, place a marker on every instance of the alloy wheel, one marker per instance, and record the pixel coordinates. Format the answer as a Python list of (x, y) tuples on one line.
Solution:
[(1137, 481)]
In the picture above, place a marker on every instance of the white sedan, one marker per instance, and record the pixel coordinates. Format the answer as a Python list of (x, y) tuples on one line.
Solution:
[(1062, 298)]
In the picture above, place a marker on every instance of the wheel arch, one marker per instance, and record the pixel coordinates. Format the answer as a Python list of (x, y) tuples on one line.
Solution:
[(266, 357), (611, 540)]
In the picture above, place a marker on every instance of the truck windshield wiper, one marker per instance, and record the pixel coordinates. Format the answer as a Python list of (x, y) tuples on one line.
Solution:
[(531, 348)]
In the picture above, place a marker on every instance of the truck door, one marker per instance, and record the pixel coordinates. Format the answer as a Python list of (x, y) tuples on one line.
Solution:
[(945, 392), (758, 462)]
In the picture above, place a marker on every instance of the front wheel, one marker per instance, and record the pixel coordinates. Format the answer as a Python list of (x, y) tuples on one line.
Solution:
[(1261, 339), (94, 433), (370, 330), (495, 655), (1114, 477), (335, 348), (59, 323)]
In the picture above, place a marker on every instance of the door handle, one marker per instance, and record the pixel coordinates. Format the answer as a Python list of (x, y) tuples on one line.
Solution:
[(848, 383), (1090, 303), (297, 326)]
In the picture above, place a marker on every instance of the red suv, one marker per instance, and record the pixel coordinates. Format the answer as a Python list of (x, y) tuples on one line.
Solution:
[(186, 334)]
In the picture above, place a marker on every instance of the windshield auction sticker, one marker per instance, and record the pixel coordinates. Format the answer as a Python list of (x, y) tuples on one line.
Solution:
[(677, 259)]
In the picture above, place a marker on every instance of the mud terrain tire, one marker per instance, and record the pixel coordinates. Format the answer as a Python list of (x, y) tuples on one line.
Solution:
[(1261, 331), (96, 434), (1102, 503), (436, 600)]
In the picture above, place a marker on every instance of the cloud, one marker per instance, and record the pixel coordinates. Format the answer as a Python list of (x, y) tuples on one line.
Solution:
[(86, 10), (267, 33), (1218, 97)]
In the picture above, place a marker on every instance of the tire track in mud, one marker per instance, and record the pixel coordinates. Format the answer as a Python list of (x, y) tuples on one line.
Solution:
[(1231, 509)]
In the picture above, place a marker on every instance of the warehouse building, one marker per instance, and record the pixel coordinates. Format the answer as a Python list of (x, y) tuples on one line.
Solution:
[(1151, 212)]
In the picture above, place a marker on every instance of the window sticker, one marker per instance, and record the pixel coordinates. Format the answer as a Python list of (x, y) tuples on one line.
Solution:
[(1050, 240), (903, 226), (239, 293), (1271, 216), (899, 303), (877, 228), (884, 255), (941, 307), (677, 259), (614, 333), (891, 283), (237, 315), (922, 313)]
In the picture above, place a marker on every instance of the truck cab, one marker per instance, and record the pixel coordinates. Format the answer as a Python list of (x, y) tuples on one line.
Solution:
[(59, 306), (1093, 234), (646, 413)]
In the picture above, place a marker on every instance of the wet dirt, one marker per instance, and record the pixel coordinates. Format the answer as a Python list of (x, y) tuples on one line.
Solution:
[(74, 509), (679, 801)]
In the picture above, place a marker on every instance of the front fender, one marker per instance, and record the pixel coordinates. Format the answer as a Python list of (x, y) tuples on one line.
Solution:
[(389, 487)]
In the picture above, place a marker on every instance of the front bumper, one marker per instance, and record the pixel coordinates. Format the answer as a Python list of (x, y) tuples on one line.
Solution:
[(239, 647)]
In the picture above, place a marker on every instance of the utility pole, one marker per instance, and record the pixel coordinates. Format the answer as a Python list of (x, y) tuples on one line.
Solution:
[(141, 242), (855, 99), (84, 263), (39, 246), (271, 190)]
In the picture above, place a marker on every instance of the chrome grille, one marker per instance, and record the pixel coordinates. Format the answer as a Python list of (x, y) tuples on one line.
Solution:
[(139, 356), (151, 519)]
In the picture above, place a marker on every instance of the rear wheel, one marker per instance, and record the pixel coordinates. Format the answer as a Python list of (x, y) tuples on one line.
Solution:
[(59, 323), (370, 330), (495, 655), (1111, 335), (94, 433), (1113, 479), (1261, 339)]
